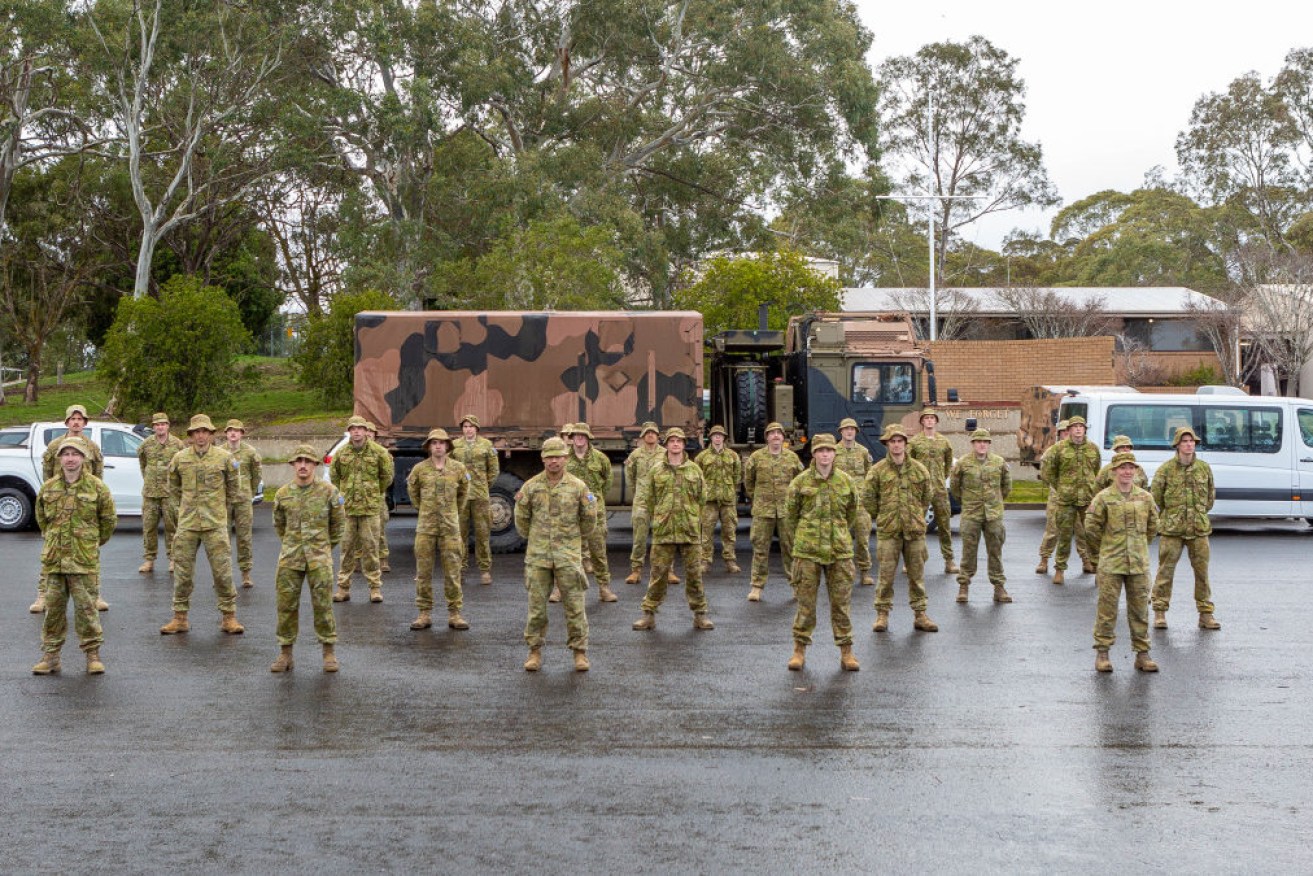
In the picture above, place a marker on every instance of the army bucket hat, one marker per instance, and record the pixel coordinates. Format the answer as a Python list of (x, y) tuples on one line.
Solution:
[(200, 421)]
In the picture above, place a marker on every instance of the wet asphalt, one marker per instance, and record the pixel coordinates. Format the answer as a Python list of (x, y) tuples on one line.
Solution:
[(988, 746)]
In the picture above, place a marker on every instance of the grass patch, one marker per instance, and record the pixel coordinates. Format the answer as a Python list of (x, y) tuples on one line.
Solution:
[(1028, 491)]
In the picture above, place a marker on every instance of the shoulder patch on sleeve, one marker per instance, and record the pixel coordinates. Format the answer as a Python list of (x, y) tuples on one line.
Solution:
[(589, 497)]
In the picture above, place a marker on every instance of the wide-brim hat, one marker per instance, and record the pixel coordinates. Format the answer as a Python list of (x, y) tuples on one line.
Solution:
[(718, 430), (581, 429), (469, 418), (357, 421), (928, 412), (674, 432), (1120, 459), (235, 424), (891, 431), (554, 447), (437, 435), (1077, 420), (847, 423), (824, 441), (1063, 425), (649, 426), (1181, 432), (75, 443), (982, 435), (305, 451), (200, 421), (773, 427), (75, 409), (160, 417), (1122, 441)]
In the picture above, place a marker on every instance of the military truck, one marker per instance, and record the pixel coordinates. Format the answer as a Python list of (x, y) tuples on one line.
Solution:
[(524, 375)]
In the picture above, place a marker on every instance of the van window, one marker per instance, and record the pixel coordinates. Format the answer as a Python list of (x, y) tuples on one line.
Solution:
[(1074, 409), (884, 383), (1148, 426), (1305, 417), (1241, 430)]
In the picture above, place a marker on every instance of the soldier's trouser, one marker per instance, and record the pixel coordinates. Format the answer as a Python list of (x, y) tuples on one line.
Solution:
[(319, 581), (427, 550), (1137, 609), (839, 584), (1069, 520), (726, 513), (360, 542), (639, 521), (1050, 539), (862, 540), (152, 509), (912, 550), (384, 515), (663, 557), (476, 514), (760, 534), (86, 620), (572, 584), (595, 548), (186, 546), (240, 517), (1169, 551), (970, 528), (943, 523)]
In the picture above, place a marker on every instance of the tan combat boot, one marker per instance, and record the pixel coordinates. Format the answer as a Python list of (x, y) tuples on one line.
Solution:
[(635, 576), (247, 583), (48, 664), (1144, 662), (170, 565), (702, 622), (1101, 661), (1208, 622), (177, 625), (485, 577), (646, 622), (950, 567), (94, 666), (923, 622), (384, 565), (1059, 578), (962, 592), (672, 578), (147, 567), (39, 606), (1043, 567), (1159, 620), (1001, 594), (535, 661), (555, 595), (732, 567), (423, 621), (455, 621), (881, 621), (284, 661), (1089, 567), (101, 605), (799, 658), (847, 660), (754, 594), (605, 593), (376, 594), (341, 594), (580, 661), (230, 625), (330, 659), (867, 580)]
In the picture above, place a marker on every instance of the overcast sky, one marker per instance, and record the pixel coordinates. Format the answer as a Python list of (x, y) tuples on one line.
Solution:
[(1109, 85)]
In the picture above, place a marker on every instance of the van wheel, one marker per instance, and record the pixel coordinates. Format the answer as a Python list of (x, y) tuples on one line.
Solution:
[(15, 509), (501, 506)]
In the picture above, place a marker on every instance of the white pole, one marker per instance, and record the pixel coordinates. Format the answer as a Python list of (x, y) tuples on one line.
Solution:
[(930, 208)]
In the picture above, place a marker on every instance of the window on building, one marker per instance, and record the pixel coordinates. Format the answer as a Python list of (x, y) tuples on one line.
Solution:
[(1167, 335), (884, 383)]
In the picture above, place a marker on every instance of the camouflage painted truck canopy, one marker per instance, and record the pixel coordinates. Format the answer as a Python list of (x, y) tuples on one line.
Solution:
[(525, 374)]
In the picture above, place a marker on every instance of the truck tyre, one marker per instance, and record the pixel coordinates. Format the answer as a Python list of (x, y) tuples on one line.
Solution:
[(749, 406), (501, 505), (15, 509)]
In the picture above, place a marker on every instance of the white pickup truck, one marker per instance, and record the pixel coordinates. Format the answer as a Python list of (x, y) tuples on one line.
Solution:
[(20, 467)]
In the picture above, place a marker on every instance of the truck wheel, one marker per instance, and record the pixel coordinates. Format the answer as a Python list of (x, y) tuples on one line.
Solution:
[(15, 509), (501, 505), (749, 406)]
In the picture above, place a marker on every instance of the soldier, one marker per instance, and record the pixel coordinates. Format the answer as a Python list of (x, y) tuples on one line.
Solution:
[(855, 460), (479, 457), (1121, 522), (766, 478), (249, 479), (981, 481), (75, 418), (820, 513), (591, 466), (1070, 469), (76, 514), (362, 470), (673, 502), (1050, 539), (897, 491), (1103, 480), (554, 512), (438, 488), (648, 452), (153, 456), (309, 519), (1183, 488), (936, 454), (722, 470), (384, 515), (202, 481)]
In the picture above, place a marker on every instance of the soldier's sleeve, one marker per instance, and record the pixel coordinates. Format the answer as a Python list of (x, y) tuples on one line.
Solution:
[(871, 492), (927, 488), (107, 515), (1005, 482), (1152, 528), (42, 517), (1095, 519), (608, 472), (175, 479), (587, 514), (798, 467), (955, 481), (48, 462), (1047, 466), (389, 467), (463, 487), (97, 460), (738, 469), (947, 453), (792, 502), (413, 488), (280, 514), (700, 487), (850, 505), (1212, 490), (141, 456), (523, 513), (750, 475), (631, 467), (494, 465), (337, 517), (232, 479), (1158, 488), (256, 462)]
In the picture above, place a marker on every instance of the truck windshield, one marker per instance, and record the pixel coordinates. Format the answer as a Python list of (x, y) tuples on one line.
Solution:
[(890, 383)]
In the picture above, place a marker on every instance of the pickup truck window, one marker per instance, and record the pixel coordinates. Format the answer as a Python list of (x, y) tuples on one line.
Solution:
[(115, 443)]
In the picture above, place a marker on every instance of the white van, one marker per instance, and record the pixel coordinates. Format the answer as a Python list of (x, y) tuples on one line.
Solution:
[(1260, 447)]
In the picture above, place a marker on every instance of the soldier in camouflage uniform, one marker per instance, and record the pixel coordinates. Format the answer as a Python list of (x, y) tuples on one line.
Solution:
[(1184, 490), (76, 514), (673, 502), (934, 452), (648, 452), (240, 514), (1050, 539), (309, 519), (438, 488), (766, 478), (1103, 480), (592, 466), (981, 481), (722, 469), (897, 491), (479, 457), (202, 480), (362, 470), (554, 512), (75, 418), (855, 460), (384, 515), (820, 513), (153, 456), (1069, 470), (1121, 522)]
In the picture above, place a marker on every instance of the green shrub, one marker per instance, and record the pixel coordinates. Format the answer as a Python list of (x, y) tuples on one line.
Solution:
[(326, 358)]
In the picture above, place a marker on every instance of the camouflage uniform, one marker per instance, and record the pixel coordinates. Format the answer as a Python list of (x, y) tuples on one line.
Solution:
[(555, 519), (980, 486), (1070, 469), (154, 457), (1119, 528), (637, 465), (438, 495), (363, 476), (240, 513), (722, 470), (673, 503), (309, 520), (896, 497), (1050, 539), (766, 478), (480, 459), (594, 469), (820, 514), (94, 463), (936, 454), (855, 462), (201, 487), (1185, 494), (75, 519)]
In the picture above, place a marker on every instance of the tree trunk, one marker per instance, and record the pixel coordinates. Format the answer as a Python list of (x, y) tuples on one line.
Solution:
[(30, 390), (141, 288)]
